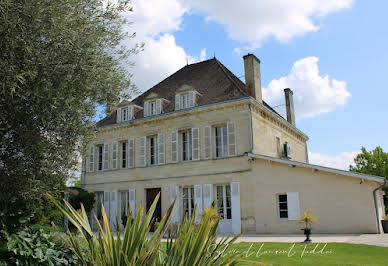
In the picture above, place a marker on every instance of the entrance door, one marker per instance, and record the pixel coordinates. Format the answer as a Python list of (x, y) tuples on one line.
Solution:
[(151, 195)]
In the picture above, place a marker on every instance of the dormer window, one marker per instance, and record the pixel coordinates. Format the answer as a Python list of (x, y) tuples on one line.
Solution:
[(153, 105), (126, 111), (152, 108), (186, 97)]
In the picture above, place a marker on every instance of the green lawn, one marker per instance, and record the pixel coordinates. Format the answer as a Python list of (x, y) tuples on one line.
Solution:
[(301, 254)]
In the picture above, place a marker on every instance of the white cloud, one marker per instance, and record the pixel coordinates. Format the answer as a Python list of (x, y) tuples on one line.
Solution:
[(313, 94), (340, 161), (255, 21)]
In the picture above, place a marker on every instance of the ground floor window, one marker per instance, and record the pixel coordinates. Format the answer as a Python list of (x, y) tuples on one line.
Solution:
[(99, 202), (188, 201), (283, 205), (224, 205), (124, 203)]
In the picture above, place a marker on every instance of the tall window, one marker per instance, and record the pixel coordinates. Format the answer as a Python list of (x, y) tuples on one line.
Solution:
[(283, 205), (124, 206), (184, 98), (124, 154), (221, 141), (224, 205), (187, 145), (153, 150), (152, 108), (99, 202), (99, 165), (188, 201), (124, 114)]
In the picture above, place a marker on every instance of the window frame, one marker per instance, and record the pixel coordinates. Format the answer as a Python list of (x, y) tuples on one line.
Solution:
[(224, 145), (190, 201), (124, 114), (186, 148), (100, 157), (124, 154), (152, 140), (225, 197), (280, 210), (151, 108)]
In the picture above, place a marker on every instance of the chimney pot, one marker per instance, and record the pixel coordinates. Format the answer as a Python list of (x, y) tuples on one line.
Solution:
[(288, 94), (252, 76)]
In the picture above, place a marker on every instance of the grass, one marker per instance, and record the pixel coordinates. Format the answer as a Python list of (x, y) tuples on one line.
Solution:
[(310, 254)]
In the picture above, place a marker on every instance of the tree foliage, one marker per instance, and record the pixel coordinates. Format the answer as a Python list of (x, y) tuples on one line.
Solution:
[(373, 162), (59, 60)]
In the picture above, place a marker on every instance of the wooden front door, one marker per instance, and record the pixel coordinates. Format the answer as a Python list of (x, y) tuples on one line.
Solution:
[(151, 195)]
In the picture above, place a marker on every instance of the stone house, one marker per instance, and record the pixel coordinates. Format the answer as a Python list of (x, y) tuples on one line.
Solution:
[(202, 135)]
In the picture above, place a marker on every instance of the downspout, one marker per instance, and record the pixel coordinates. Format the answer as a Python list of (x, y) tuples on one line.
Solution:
[(376, 207)]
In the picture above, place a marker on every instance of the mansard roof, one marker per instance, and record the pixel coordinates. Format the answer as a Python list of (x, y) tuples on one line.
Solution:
[(210, 78)]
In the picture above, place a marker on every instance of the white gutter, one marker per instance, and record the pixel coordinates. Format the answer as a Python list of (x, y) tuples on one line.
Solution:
[(318, 167)]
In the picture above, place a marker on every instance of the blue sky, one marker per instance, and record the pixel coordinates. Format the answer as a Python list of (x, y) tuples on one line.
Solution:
[(333, 54)]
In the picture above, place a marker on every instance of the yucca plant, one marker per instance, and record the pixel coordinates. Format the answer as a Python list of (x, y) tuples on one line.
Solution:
[(193, 245)]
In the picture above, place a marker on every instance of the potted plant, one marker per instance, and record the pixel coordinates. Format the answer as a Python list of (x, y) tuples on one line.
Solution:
[(385, 224), (307, 220)]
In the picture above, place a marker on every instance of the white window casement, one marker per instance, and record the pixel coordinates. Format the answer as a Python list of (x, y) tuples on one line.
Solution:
[(99, 201), (91, 159), (153, 107), (125, 113), (188, 201), (161, 149), (174, 146), (152, 150), (288, 205), (187, 145), (100, 157), (106, 156), (110, 206), (221, 141), (131, 153), (185, 100), (124, 154), (124, 202), (225, 143), (224, 204)]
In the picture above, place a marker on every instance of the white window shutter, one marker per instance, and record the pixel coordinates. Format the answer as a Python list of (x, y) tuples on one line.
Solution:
[(118, 115), (293, 205), (196, 144), (177, 101), (131, 153), (107, 203), (91, 159), (236, 208), (289, 151), (130, 112), (207, 195), (143, 151), (113, 207), (161, 149), (106, 156), (132, 201), (232, 146), (146, 107), (174, 194), (158, 106), (191, 99), (198, 201), (114, 154), (174, 146), (208, 142)]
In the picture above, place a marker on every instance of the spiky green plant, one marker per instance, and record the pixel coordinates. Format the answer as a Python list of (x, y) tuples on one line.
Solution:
[(194, 244)]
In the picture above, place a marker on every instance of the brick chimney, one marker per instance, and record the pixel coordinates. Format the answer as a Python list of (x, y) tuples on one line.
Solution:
[(288, 94), (252, 76)]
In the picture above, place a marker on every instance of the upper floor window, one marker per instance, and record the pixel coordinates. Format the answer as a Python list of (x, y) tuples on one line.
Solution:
[(221, 141), (124, 151), (153, 150), (188, 201), (99, 157), (185, 99), (187, 145), (125, 113), (153, 107)]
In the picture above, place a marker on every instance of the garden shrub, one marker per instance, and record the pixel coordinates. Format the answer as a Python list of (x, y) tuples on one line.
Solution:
[(84, 197)]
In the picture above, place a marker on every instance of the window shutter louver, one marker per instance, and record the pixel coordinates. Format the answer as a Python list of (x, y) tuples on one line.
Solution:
[(113, 207), (196, 144), (293, 206), (177, 101), (207, 195), (142, 155), (232, 149), (174, 194), (158, 106), (236, 212), (91, 159), (208, 142), (161, 149), (191, 98), (114, 154), (131, 153), (198, 201), (106, 156), (130, 112), (146, 107), (174, 146), (132, 201), (118, 115)]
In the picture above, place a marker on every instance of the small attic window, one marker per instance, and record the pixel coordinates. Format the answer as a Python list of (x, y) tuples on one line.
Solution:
[(154, 107), (126, 113), (185, 100)]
